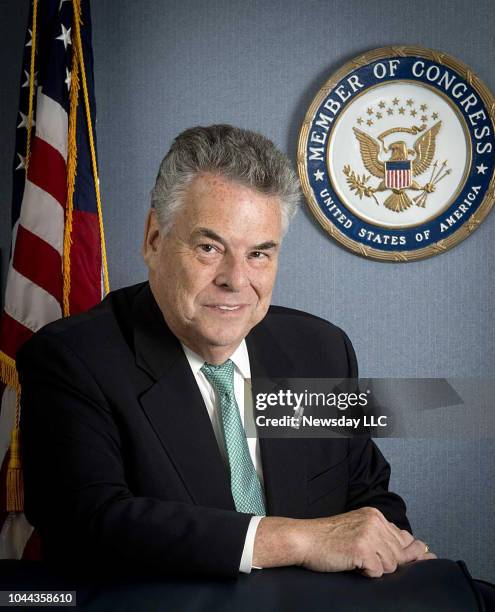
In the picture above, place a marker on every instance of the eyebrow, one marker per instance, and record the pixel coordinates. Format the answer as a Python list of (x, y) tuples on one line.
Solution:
[(208, 233)]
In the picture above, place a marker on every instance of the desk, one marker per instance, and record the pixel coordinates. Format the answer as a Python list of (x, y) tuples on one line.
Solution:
[(429, 585)]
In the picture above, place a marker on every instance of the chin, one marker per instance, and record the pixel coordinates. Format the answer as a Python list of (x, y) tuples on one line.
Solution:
[(223, 340), (221, 337)]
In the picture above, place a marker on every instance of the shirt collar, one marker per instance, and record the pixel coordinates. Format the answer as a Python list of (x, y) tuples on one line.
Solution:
[(240, 357)]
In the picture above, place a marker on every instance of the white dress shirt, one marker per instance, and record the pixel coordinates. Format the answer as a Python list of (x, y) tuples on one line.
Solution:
[(242, 370)]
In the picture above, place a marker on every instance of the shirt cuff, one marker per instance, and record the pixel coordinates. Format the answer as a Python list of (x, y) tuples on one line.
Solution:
[(247, 554)]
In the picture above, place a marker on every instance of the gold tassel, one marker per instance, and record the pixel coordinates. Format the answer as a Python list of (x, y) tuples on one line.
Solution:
[(8, 372), (15, 483)]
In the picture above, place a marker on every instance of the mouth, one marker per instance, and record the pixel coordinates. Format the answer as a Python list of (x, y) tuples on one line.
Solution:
[(226, 308)]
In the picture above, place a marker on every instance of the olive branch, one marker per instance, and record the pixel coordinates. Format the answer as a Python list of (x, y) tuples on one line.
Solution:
[(358, 184)]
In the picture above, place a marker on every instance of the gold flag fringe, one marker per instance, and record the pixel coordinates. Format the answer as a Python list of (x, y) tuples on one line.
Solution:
[(15, 485), (8, 372), (34, 33), (71, 181)]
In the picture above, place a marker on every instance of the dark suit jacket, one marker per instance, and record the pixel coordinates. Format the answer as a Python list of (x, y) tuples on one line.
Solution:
[(122, 468)]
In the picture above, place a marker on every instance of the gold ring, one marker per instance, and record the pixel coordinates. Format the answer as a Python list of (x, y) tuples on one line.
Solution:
[(427, 549)]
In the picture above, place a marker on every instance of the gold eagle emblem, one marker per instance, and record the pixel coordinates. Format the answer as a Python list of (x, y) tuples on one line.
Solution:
[(415, 162)]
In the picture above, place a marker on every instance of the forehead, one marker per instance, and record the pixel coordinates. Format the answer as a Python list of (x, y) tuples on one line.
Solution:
[(225, 205)]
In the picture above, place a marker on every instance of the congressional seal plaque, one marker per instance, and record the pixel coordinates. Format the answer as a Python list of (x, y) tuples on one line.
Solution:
[(397, 153)]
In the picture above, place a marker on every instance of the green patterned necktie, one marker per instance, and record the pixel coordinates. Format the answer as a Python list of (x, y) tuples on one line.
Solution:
[(244, 481)]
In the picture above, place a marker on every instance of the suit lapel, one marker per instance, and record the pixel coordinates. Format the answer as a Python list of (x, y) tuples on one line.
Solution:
[(283, 460), (175, 407)]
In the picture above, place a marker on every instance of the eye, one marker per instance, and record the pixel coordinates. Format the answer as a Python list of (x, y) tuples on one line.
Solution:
[(258, 255), (208, 252), (207, 248)]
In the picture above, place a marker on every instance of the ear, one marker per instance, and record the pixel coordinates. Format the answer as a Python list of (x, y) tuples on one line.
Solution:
[(152, 237)]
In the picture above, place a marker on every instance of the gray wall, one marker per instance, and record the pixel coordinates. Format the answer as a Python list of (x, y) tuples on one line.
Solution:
[(162, 66)]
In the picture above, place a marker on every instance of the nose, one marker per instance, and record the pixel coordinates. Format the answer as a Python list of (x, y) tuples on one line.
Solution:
[(232, 273)]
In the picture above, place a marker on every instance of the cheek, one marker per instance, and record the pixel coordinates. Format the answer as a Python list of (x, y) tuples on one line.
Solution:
[(265, 280), (263, 286), (192, 285), (175, 288), (184, 274)]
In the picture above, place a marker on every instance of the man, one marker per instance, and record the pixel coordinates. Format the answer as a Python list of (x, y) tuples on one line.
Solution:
[(135, 454)]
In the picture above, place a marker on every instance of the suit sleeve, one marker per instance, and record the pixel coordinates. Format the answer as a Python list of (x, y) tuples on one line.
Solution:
[(370, 472), (76, 493)]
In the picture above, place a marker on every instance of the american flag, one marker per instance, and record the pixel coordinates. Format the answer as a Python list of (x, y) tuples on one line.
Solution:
[(58, 262), (398, 174)]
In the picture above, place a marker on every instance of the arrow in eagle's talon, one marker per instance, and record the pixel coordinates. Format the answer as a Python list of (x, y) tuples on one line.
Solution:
[(446, 173), (435, 178), (433, 170)]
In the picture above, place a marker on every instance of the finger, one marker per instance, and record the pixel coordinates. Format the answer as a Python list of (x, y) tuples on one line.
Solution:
[(390, 552), (385, 540), (416, 550), (428, 555), (407, 536), (403, 537), (372, 566), (389, 563), (385, 528)]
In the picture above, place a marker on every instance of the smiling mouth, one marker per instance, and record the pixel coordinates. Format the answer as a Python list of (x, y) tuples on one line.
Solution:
[(225, 307)]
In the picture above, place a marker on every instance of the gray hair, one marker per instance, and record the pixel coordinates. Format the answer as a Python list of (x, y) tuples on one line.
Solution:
[(240, 155)]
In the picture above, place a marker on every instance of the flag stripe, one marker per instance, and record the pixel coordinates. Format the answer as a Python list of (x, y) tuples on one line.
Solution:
[(51, 123), (30, 250), (28, 303), (47, 169), (14, 235), (398, 179), (37, 207), (85, 261), (14, 334)]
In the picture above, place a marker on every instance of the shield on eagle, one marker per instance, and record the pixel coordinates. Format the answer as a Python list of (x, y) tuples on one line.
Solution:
[(398, 174)]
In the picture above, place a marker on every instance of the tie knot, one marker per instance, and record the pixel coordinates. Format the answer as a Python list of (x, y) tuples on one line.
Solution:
[(220, 376)]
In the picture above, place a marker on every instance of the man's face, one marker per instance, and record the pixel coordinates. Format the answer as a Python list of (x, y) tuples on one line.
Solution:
[(213, 273)]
